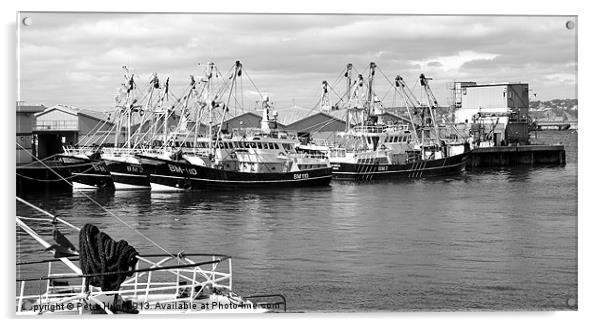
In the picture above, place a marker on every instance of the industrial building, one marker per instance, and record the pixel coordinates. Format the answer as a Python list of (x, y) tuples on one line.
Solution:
[(471, 98), (307, 120), (62, 125), (25, 126)]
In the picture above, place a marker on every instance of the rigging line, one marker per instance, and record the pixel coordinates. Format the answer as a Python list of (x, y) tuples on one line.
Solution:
[(323, 123), (252, 83), (108, 131), (53, 180), (36, 219), (339, 78), (54, 217), (151, 127), (94, 129), (105, 209), (98, 130), (33, 162), (340, 98), (316, 105), (337, 94), (319, 100)]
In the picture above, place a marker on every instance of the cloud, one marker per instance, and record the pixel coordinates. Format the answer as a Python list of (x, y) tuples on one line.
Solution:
[(76, 58)]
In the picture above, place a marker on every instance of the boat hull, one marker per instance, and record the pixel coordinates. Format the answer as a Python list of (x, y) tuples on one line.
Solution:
[(166, 174), (47, 177), (87, 173), (127, 175), (419, 169)]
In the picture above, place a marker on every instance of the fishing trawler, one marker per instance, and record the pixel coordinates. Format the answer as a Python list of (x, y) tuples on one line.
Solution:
[(250, 157), (126, 170), (374, 149), (87, 170), (136, 122)]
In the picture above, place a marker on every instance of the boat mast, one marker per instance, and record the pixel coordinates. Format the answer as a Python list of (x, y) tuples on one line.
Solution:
[(400, 83), (210, 104), (324, 103), (125, 106), (432, 105), (348, 76), (155, 84), (130, 107), (206, 102), (370, 91), (165, 110), (237, 72)]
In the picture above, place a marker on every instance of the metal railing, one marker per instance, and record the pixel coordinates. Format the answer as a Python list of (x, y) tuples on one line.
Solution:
[(152, 283), (380, 128)]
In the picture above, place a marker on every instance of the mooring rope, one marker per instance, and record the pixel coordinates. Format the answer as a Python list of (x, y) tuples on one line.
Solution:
[(54, 180), (99, 253)]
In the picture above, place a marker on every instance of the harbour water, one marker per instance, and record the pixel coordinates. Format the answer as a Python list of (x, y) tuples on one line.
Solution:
[(494, 239)]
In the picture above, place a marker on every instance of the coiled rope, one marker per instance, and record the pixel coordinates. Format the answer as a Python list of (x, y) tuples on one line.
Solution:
[(99, 253)]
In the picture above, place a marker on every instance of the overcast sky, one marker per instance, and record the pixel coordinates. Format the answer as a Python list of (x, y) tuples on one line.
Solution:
[(76, 59)]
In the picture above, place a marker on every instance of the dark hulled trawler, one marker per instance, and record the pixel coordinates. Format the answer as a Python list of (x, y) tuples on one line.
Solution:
[(250, 157), (371, 148)]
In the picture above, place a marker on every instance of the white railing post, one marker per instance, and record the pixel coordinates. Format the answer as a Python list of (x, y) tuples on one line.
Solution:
[(213, 266), (48, 281), (148, 282), (192, 286), (136, 280), (20, 304), (177, 281), (230, 272)]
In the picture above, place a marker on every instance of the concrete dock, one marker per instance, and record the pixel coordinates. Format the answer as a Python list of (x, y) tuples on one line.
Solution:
[(518, 155)]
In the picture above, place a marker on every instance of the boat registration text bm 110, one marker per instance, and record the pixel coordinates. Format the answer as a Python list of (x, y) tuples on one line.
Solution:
[(301, 176)]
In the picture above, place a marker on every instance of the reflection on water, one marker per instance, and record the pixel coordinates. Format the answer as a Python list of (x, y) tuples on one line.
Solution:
[(489, 239)]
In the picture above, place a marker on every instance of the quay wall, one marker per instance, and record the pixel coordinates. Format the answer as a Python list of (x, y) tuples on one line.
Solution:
[(520, 155)]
